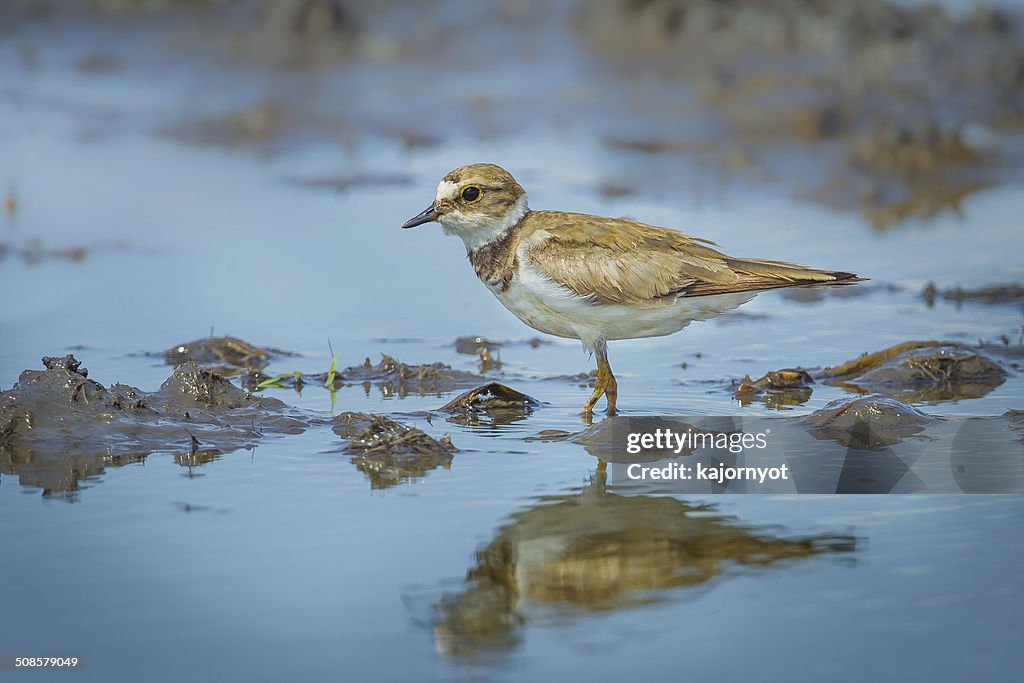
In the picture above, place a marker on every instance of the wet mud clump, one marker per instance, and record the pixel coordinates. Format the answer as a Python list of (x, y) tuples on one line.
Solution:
[(776, 389), (919, 371), (486, 350), (228, 354), (472, 346), (58, 426), (491, 404), (396, 378), (993, 294), (389, 452), (866, 422)]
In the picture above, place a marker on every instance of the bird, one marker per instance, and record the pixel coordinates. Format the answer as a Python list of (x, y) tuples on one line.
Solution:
[(593, 278)]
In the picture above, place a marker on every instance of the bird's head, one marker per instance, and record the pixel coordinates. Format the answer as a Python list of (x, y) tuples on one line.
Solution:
[(478, 203)]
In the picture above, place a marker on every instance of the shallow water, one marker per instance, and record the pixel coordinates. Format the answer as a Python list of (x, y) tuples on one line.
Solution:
[(285, 556)]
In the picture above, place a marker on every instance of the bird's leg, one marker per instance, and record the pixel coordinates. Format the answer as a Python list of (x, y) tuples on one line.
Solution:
[(601, 476), (605, 385), (599, 388), (611, 390)]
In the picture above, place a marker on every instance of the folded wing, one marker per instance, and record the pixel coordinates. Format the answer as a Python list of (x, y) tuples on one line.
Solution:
[(616, 261)]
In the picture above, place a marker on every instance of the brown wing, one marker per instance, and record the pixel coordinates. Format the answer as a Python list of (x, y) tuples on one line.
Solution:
[(615, 261)]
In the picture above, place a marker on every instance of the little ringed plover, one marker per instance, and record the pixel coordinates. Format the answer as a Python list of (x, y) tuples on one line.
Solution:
[(594, 278)]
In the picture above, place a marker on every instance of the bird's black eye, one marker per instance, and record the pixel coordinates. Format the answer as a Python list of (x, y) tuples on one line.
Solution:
[(471, 193)]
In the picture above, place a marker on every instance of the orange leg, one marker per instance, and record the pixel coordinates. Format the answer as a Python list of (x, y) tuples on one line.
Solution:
[(605, 386), (611, 392)]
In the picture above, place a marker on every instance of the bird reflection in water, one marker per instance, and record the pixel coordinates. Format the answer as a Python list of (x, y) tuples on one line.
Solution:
[(596, 551)]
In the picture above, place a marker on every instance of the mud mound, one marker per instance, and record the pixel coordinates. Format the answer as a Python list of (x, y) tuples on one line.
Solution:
[(919, 371), (397, 378), (389, 452), (776, 389), (491, 404), (58, 427), (866, 422)]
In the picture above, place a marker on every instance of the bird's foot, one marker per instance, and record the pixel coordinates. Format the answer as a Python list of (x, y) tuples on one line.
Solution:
[(605, 386)]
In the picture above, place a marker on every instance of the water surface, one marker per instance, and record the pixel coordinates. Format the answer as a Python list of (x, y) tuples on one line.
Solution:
[(284, 557)]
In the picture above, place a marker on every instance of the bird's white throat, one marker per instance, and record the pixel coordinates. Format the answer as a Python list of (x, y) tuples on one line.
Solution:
[(477, 229)]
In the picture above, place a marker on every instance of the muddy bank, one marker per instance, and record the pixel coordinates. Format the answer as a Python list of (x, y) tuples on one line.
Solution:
[(58, 427)]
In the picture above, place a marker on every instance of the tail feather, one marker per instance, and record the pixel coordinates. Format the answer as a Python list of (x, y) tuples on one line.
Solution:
[(755, 275)]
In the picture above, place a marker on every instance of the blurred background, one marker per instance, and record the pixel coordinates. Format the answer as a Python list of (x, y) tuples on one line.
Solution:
[(172, 170), (893, 110), (873, 101), (263, 142)]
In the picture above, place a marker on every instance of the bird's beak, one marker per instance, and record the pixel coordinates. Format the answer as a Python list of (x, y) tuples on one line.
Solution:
[(428, 214)]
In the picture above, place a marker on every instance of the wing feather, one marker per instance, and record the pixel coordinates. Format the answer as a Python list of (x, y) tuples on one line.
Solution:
[(617, 261)]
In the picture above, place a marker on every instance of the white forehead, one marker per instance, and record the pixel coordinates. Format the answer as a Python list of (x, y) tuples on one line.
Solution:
[(446, 189)]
